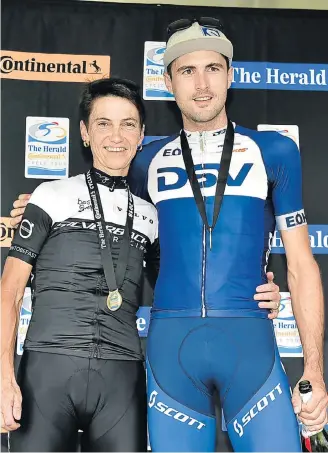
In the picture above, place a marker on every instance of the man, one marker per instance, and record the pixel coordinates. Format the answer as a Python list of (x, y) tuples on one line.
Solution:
[(205, 334)]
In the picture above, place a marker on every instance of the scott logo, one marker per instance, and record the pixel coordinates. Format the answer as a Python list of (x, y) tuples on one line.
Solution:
[(170, 412), (256, 409), (206, 175), (152, 398), (238, 428)]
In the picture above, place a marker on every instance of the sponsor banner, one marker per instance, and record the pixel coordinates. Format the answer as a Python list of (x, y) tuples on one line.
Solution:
[(143, 319), (153, 81), (53, 67), (24, 320), (318, 236), (289, 131), (287, 336), (255, 75), (7, 232), (246, 75), (46, 148)]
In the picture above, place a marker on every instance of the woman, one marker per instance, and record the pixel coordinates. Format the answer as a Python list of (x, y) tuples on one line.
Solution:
[(82, 366), (82, 363)]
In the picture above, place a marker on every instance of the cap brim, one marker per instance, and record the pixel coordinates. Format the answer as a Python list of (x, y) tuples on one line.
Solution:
[(202, 43)]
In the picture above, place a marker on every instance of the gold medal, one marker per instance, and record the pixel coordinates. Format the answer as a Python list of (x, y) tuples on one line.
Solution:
[(114, 300)]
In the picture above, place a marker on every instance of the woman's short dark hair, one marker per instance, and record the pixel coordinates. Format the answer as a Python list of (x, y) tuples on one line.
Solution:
[(117, 87)]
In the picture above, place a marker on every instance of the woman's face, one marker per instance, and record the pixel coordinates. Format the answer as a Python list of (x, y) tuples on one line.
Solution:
[(114, 132)]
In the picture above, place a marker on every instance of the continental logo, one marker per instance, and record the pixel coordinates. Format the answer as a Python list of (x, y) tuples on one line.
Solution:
[(53, 67), (6, 232)]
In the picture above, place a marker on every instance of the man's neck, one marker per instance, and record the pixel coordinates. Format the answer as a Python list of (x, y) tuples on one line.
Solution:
[(216, 123)]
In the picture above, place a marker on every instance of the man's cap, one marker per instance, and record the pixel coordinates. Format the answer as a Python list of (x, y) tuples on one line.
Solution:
[(197, 37)]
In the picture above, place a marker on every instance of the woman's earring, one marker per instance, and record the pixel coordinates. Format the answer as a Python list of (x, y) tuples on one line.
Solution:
[(139, 148), (86, 144)]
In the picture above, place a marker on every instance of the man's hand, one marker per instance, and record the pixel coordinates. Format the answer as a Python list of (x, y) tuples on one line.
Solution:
[(314, 413), (269, 296), (19, 208), (11, 405)]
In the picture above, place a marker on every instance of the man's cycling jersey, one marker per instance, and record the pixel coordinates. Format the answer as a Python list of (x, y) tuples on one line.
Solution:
[(58, 237), (263, 189)]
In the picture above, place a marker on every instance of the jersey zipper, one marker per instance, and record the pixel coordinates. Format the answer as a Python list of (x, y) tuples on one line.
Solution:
[(203, 313)]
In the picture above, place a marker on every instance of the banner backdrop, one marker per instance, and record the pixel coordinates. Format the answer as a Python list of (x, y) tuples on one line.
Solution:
[(280, 82)]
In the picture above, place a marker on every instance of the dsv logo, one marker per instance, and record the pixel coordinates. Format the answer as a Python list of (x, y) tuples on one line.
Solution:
[(170, 412), (207, 176), (256, 409)]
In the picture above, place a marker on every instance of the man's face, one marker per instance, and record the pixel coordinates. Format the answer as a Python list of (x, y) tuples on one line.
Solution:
[(199, 82)]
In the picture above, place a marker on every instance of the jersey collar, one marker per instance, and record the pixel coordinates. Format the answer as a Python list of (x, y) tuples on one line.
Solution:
[(216, 135)]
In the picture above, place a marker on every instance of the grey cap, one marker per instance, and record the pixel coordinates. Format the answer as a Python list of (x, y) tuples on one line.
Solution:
[(194, 38)]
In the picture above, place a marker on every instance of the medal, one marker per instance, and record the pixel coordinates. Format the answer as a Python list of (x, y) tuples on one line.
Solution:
[(114, 277), (114, 300)]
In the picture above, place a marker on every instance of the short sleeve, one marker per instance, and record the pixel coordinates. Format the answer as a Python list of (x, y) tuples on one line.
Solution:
[(283, 164), (34, 227)]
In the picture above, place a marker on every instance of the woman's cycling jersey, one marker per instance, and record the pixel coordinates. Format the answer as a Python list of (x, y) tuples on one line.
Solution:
[(58, 237)]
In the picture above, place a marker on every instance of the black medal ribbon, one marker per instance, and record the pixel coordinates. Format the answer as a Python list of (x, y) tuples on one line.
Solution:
[(114, 279), (222, 176)]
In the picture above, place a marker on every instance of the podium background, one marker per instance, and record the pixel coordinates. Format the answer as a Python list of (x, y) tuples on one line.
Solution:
[(120, 31)]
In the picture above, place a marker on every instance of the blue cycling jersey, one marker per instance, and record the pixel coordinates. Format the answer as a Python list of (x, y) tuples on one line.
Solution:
[(264, 189)]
